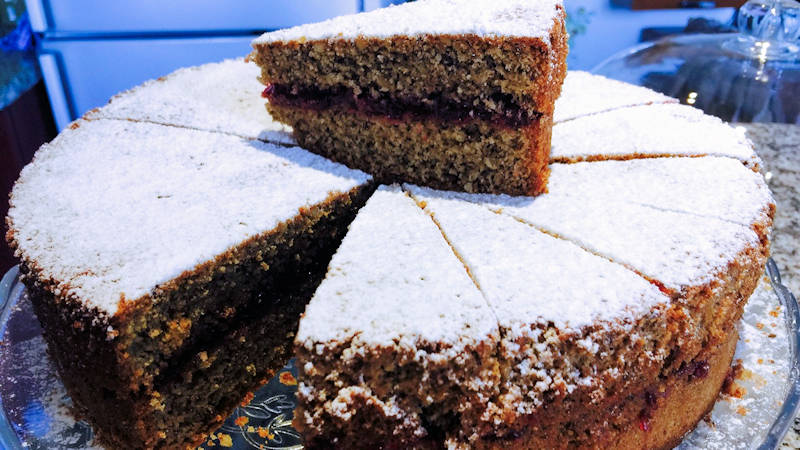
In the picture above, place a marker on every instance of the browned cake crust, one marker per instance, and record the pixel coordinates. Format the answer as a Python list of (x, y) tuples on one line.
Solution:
[(653, 418), (177, 363)]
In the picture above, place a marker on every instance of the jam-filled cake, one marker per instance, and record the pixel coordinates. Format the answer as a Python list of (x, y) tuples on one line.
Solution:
[(455, 94), (170, 260)]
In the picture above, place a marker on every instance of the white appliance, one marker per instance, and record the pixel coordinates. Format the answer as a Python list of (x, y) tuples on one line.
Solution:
[(90, 50)]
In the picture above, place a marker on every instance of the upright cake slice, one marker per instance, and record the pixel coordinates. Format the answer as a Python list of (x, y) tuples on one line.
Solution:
[(453, 94), (169, 266), (396, 348)]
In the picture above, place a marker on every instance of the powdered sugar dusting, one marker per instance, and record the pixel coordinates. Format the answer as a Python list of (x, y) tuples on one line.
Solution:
[(395, 281), (584, 94), (529, 277), (114, 208), (709, 186), (679, 250), (222, 97), (630, 132), (485, 18)]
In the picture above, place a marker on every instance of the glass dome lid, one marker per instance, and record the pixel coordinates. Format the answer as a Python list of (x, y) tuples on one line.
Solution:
[(749, 76)]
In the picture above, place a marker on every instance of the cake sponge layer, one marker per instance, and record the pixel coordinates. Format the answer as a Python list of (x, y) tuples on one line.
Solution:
[(472, 156), (487, 54)]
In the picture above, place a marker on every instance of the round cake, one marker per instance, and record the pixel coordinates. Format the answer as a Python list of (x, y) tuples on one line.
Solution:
[(178, 249)]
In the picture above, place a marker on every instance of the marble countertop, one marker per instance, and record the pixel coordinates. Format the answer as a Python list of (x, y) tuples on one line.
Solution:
[(778, 145)]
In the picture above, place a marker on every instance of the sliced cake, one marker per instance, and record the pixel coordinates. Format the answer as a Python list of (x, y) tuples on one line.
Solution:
[(169, 266), (584, 94), (220, 97), (453, 94), (627, 133), (625, 303), (396, 348)]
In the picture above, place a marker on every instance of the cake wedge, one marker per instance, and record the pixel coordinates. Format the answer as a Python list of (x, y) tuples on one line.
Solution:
[(397, 347), (452, 94), (168, 267)]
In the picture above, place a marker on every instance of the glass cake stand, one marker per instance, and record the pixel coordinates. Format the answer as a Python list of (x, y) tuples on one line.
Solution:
[(749, 76), (35, 409)]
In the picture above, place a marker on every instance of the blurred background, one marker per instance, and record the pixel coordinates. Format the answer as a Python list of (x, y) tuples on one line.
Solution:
[(60, 58)]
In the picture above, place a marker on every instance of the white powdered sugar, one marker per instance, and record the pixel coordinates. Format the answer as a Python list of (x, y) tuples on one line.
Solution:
[(485, 18), (647, 131), (395, 282), (716, 187), (584, 94), (111, 209), (224, 97), (529, 277), (677, 249)]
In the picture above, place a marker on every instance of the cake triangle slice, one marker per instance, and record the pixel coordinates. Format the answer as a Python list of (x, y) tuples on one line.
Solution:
[(453, 94), (584, 94), (396, 347), (628, 133), (563, 315), (223, 97), (149, 247)]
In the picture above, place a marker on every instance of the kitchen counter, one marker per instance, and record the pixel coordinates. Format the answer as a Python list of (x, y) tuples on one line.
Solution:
[(778, 146)]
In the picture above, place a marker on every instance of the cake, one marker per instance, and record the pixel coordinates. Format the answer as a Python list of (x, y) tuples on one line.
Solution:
[(452, 94), (600, 314), (169, 267)]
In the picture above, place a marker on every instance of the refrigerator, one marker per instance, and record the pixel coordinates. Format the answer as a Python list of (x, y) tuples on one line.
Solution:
[(90, 50)]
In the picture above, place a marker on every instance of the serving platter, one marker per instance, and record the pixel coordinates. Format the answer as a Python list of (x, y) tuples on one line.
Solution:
[(756, 411)]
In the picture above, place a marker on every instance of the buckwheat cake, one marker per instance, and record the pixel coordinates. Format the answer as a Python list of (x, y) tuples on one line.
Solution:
[(169, 267), (453, 94), (173, 269)]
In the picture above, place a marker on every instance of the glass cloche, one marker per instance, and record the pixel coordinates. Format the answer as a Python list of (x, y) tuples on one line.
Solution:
[(749, 76)]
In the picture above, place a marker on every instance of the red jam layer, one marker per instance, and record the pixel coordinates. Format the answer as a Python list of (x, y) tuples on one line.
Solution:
[(442, 109)]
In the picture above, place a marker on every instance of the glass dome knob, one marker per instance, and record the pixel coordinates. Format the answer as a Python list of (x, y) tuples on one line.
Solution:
[(769, 29)]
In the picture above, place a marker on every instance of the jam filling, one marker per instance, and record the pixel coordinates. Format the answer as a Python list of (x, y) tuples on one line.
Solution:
[(439, 108)]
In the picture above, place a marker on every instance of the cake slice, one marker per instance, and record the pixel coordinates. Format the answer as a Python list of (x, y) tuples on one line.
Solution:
[(213, 97), (453, 94), (584, 94), (627, 133), (396, 348), (168, 267)]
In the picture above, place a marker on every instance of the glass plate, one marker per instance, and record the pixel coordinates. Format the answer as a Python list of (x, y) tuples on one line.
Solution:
[(34, 407)]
